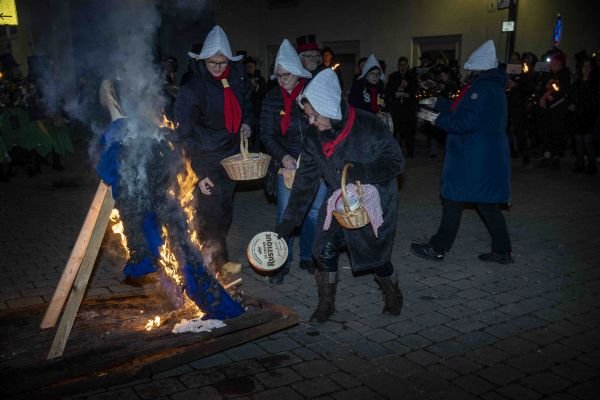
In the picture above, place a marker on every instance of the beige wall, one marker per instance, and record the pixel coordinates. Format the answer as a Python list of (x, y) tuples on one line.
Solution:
[(388, 27)]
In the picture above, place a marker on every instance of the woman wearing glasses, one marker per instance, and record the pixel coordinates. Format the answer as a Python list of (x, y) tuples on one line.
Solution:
[(341, 134), (368, 91), (281, 130), (213, 108)]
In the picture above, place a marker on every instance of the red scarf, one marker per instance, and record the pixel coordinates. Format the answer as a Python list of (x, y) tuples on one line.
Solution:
[(462, 93), (329, 147), (231, 107), (288, 100), (374, 98)]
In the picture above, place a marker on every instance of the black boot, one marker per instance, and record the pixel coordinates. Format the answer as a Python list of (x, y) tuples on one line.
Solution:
[(326, 287), (392, 294)]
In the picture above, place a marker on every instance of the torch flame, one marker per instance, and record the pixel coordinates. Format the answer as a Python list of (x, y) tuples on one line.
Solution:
[(525, 68), (119, 229), (153, 323), (335, 66), (555, 87), (166, 123)]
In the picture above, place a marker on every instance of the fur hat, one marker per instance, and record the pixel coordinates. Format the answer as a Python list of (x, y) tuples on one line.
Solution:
[(483, 58), (216, 42), (288, 59), (324, 94)]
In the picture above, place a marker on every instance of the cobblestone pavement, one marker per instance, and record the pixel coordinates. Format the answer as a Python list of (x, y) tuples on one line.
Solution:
[(468, 329)]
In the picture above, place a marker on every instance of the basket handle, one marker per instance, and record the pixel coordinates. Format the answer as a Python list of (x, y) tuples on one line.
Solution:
[(244, 146), (344, 194)]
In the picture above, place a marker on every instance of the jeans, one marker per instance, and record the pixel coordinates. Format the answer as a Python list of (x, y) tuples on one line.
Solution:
[(309, 226), (451, 215)]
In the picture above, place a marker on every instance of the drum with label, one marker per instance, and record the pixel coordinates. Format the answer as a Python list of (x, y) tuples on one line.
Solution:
[(267, 252)]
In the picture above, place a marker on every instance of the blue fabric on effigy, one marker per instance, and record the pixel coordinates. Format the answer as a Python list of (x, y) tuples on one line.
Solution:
[(152, 233), (144, 267), (108, 165), (208, 294)]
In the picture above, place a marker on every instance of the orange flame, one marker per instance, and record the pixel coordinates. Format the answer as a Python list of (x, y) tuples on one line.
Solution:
[(525, 68), (187, 183), (166, 123), (118, 229), (335, 66), (555, 87)]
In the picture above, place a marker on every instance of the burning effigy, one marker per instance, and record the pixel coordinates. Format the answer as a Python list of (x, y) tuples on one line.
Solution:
[(156, 208)]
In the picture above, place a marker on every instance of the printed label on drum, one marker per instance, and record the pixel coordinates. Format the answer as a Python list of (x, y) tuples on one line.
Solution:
[(266, 251)]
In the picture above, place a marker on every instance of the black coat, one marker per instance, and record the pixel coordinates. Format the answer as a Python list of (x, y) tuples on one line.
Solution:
[(405, 105), (360, 95), (278, 145), (199, 112), (377, 160)]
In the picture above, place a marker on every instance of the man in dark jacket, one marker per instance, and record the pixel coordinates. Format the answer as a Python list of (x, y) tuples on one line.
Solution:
[(477, 163), (341, 135), (400, 97), (213, 108)]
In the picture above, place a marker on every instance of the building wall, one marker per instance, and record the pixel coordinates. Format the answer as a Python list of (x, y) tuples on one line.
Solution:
[(388, 27)]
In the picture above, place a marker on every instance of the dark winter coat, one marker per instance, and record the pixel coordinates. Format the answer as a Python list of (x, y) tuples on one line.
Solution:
[(403, 108), (199, 112), (477, 161), (276, 144), (377, 160), (360, 95), (585, 97)]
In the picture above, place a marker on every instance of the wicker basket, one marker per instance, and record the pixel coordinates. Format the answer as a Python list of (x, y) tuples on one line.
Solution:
[(288, 176), (351, 219), (246, 166)]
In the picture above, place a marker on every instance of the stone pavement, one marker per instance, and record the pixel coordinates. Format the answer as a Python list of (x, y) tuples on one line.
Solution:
[(468, 329)]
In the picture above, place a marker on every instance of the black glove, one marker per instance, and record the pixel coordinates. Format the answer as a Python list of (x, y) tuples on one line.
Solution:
[(285, 229), (357, 172)]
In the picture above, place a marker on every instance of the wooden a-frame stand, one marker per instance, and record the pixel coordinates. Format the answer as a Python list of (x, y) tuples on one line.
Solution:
[(77, 272)]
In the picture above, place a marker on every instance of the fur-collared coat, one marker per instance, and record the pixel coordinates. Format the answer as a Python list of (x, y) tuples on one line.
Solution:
[(377, 160)]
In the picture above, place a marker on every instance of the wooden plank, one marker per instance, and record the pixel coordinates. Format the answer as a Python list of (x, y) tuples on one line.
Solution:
[(83, 277), (75, 259)]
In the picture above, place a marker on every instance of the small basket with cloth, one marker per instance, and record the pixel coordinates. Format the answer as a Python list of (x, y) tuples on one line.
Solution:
[(353, 215)]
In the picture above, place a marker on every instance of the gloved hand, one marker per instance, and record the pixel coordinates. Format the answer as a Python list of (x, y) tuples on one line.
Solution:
[(357, 172), (285, 229)]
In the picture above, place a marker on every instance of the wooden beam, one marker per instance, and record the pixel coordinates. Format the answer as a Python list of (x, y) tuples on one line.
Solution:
[(85, 271), (77, 254)]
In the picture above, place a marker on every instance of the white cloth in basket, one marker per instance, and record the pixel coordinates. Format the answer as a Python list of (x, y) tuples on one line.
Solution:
[(371, 200)]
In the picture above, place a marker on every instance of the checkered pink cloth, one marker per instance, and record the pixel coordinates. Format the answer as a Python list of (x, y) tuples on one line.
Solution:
[(371, 200)]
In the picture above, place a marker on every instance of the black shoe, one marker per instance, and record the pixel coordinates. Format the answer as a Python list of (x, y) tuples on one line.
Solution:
[(425, 250), (308, 266), (497, 258)]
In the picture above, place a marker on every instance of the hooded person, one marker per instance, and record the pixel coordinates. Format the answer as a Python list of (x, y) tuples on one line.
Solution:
[(213, 108), (477, 162), (368, 91), (281, 131), (341, 134)]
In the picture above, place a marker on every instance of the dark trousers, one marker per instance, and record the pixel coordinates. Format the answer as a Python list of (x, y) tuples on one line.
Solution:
[(328, 259), (554, 121), (517, 120), (451, 216)]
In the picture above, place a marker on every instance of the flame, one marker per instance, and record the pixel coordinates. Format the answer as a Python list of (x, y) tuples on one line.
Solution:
[(335, 66), (555, 87), (1, 75), (118, 229), (153, 323), (187, 183), (525, 68), (166, 123)]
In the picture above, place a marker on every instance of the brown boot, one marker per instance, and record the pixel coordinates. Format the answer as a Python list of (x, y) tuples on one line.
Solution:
[(392, 294), (326, 287)]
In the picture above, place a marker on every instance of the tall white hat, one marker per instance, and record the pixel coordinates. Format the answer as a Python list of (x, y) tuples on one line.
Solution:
[(370, 63), (483, 58), (216, 42), (288, 58), (324, 94)]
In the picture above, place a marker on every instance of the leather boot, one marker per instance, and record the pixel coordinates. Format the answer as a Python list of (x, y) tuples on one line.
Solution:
[(392, 294), (326, 287)]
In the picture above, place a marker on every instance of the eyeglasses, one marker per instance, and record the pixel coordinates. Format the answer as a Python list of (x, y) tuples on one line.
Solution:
[(283, 77), (311, 118), (311, 57), (214, 64)]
